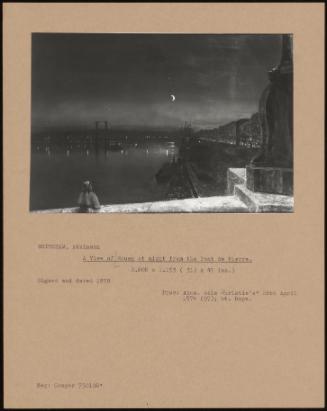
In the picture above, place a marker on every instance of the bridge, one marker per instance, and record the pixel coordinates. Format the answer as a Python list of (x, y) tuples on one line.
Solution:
[(238, 199)]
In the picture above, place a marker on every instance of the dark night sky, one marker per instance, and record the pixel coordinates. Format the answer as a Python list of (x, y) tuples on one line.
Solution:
[(128, 79)]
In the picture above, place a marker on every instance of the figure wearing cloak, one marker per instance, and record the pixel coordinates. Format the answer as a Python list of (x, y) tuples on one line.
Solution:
[(88, 201)]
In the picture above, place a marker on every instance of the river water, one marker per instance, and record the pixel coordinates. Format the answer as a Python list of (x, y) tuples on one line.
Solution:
[(126, 175)]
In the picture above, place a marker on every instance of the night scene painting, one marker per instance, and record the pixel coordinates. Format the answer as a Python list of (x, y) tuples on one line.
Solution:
[(170, 123)]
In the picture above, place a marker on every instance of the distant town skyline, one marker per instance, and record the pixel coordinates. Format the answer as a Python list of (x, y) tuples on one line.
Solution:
[(129, 79)]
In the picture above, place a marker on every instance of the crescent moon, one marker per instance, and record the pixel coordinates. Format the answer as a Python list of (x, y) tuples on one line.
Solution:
[(173, 98)]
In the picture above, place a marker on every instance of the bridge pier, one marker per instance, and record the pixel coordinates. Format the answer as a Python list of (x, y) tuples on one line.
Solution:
[(97, 129)]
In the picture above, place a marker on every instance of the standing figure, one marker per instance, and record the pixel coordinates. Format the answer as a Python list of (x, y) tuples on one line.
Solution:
[(88, 201)]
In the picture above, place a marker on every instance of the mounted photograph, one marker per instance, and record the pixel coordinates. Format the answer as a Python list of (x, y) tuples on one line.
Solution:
[(161, 123)]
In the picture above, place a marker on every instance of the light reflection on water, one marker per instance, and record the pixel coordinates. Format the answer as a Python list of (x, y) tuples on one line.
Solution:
[(123, 176)]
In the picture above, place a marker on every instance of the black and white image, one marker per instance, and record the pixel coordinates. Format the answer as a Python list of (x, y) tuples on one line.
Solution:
[(171, 123)]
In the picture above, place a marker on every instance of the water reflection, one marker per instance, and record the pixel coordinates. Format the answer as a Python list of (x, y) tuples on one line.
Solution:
[(119, 175)]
